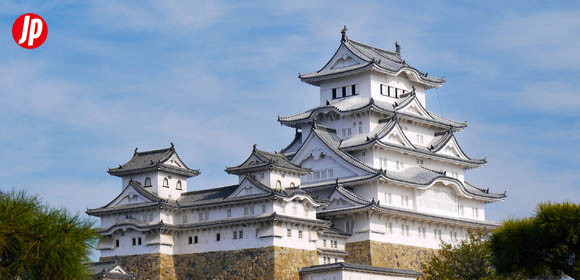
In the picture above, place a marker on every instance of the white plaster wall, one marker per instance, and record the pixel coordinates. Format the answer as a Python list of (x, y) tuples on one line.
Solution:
[(362, 82), (157, 182), (395, 81)]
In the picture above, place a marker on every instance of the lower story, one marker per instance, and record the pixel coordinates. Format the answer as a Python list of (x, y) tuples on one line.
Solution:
[(367, 257)]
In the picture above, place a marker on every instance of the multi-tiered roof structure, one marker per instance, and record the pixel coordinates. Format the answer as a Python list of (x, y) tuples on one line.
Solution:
[(372, 178)]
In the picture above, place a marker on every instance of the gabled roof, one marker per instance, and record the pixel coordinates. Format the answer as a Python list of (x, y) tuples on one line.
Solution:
[(262, 160), (108, 270), (418, 177), (370, 59), (154, 200), (293, 147), (356, 104), (329, 138), (386, 126), (360, 268), (405, 213), (155, 160)]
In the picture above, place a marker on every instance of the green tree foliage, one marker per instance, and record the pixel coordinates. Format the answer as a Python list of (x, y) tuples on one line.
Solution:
[(470, 259), (545, 244), (38, 242)]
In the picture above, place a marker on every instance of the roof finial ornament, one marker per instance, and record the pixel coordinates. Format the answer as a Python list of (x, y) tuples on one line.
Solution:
[(254, 147), (135, 152), (327, 103), (343, 32), (397, 47), (413, 87), (172, 146), (337, 182)]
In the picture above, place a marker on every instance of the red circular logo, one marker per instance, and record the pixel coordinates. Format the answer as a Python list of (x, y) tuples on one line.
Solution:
[(29, 31)]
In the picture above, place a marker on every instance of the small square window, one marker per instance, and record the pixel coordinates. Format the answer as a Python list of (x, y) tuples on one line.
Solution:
[(134, 241), (300, 234), (139, 241), (195, 239), (289, 232), (190, 240), (235, 233), (217, 237), (117, 243), (241, 234)]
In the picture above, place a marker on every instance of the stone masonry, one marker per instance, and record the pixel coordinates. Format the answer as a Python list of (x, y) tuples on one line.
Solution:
[(387, 254), (259, 263)]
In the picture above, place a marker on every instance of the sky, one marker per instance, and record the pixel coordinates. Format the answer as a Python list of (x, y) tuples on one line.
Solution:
[(212, 77)]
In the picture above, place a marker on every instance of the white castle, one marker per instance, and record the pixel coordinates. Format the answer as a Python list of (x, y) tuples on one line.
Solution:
[(371, 184)]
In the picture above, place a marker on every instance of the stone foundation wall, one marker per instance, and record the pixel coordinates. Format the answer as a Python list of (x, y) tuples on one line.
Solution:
[(259, 263), (152, 267), (288, 261), (388, 254)]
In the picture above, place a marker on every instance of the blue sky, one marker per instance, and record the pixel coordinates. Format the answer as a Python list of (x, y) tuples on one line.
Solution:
[(213, 76)]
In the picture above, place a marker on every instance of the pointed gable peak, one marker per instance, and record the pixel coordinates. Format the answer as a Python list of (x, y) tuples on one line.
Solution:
[(163, 159), (262, 160)]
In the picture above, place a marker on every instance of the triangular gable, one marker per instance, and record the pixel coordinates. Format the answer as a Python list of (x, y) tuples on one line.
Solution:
[(343, 57), (247, 187), (397, 136), (342, 198), (315, 154), (117, 270), (174, 160), (414, 107), (131, 195), (452, 148)]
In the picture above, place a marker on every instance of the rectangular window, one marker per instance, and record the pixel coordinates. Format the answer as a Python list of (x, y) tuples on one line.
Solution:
[(324, 243), (139, 241), (201, 216), (360, 129), (349, 131), (217, 237), (235, 235), (330, 173), (323, 173), (134, 241), (397, 91), (390, 91), (294, 210), (144, 218), (333, 93), (184, 218), (229, 213), (289, 233), (150, 217), (419, 138), (347, 227), (263, 208), (382, 87), (195, 239), (117, 243), (207, 215), (390, 198), (300, 234), (190, 240), (252, 210), (353, 89), (316, 175), (420, 161), (343, 132), (241, 234), (460, 210), (390, 228), (343, 91)]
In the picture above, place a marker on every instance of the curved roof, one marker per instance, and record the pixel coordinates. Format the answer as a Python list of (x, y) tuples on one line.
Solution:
[(356, 104), (374, 138), (153, 161), (373, 58), (261, 160)]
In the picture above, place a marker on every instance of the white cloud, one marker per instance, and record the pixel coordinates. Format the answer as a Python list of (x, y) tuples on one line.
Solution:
[(545, 41)]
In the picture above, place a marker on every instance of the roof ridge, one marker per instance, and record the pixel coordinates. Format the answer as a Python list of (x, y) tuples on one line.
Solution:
[(376, 48), (158, 151), (207, 190)]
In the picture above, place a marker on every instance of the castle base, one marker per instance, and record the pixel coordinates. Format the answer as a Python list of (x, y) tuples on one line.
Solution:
[(387, 255), (259, 263)]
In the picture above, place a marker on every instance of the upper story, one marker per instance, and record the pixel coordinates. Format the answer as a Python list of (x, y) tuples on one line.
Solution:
[(357, 69), (161, 172)]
